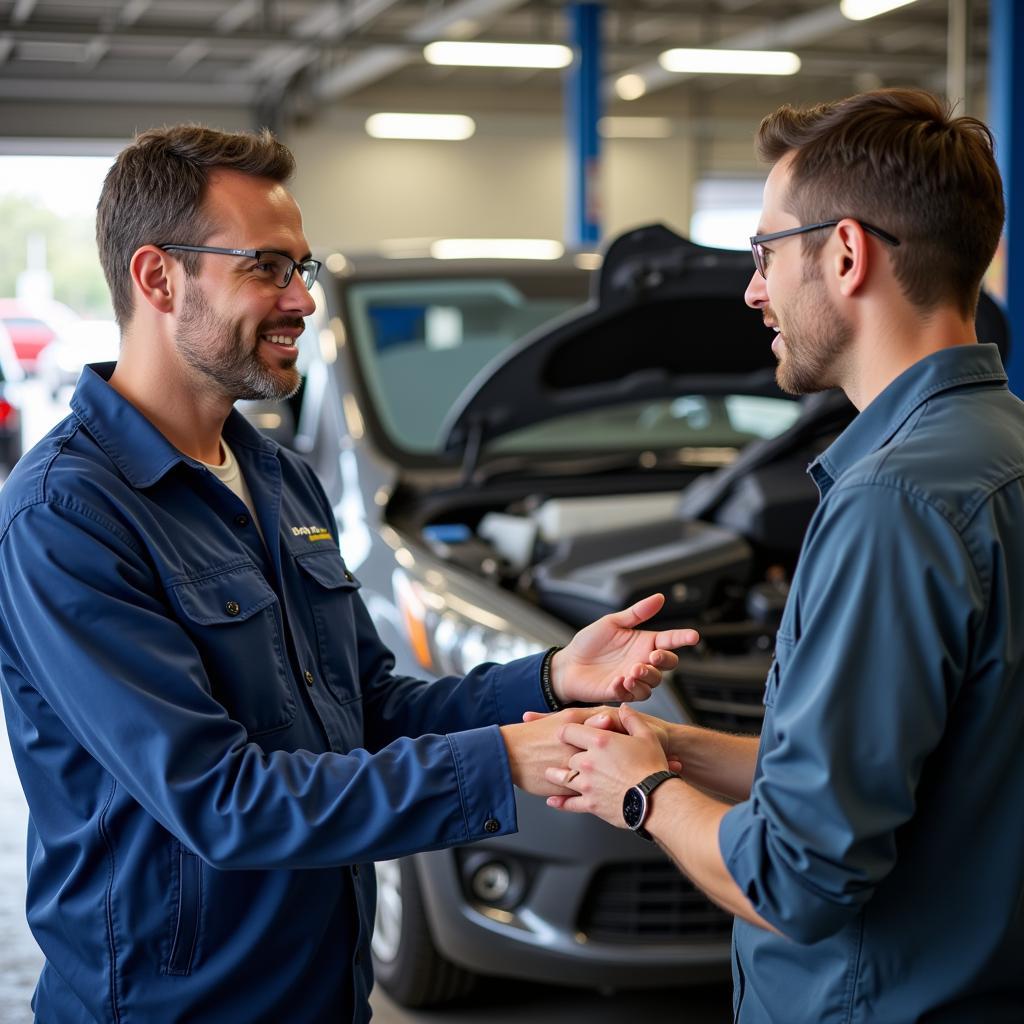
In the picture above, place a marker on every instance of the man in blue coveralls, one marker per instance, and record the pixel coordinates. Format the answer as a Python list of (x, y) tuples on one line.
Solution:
[(872, 845), (208, 730)]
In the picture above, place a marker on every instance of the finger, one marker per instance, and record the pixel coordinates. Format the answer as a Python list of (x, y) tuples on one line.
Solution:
[(634, 723), (580, 736), (670, 639), (664, 660), (639, 612), (601, 721), (675, 766), (636, 690), (533, 716), (565, 803)]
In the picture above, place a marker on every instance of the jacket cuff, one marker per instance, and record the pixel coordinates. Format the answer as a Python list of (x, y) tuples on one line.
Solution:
[(485, 783)]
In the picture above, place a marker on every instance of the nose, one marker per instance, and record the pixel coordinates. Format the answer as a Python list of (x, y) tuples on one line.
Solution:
[(295, 297), (756, 295)]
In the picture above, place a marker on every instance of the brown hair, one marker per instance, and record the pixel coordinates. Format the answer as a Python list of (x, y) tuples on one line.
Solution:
[(154, 193), (900, 161)]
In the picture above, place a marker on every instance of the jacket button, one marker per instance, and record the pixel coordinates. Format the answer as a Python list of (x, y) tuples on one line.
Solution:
[(308, 676), (491, 825), (232, 608), (349, 576), (241, 520)]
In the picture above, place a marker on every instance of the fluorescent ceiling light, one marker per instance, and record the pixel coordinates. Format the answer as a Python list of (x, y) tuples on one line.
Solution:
[(444, 127), (635, 127), (861, 10), (730, 62), (630, 87), (498, 55), (496, 249)]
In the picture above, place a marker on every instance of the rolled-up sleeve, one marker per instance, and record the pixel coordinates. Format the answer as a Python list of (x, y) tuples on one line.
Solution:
[(873, 648)]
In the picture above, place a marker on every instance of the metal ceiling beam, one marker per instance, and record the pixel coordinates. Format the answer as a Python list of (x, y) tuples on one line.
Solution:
[(91, 90), (22, 11), (379, 62)]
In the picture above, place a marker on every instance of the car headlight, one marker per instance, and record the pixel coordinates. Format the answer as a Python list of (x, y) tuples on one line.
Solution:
[(449, 636)]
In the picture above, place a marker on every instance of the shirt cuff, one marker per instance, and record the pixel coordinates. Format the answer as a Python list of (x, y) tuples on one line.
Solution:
[(517, 689), (485, 783)]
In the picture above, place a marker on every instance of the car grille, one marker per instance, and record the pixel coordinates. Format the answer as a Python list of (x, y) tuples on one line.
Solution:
[(649, 901), (724, 693)]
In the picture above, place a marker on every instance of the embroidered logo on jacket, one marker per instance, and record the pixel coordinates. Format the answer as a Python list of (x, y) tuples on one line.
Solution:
[(311, 533)]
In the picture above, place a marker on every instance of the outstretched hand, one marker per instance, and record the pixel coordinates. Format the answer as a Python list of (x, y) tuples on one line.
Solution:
[(612, 660)]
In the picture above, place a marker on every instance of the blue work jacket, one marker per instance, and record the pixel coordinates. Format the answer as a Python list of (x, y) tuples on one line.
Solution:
[(209, 733), (884, 835)]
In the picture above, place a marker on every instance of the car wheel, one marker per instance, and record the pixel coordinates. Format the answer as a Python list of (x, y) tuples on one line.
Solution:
[(406, 962)]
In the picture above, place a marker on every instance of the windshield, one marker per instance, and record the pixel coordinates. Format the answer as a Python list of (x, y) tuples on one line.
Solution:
[(420, 343)]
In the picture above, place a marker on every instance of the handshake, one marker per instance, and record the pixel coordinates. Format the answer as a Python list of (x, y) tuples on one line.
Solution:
[(585, 759)]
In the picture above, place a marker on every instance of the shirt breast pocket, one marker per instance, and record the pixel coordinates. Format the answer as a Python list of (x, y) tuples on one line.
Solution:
[(331, 590), (232, 618), (783, 645)]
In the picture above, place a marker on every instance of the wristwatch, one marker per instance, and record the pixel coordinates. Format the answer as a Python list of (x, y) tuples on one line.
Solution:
[(636, 804)]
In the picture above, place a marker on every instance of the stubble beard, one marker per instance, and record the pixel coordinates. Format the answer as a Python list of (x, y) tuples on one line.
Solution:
[(216, 349), (816, 340)]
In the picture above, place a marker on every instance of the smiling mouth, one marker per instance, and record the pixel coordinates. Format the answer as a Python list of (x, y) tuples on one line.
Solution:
[(278, 339)]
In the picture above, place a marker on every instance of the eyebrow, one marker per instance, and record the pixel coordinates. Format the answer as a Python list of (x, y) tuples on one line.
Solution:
[(282, 252)]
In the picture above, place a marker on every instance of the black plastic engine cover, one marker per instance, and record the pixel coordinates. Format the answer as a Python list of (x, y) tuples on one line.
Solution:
[(689, 562)]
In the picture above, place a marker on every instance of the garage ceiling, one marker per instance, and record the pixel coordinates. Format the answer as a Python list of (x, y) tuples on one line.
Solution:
[(287, 60)]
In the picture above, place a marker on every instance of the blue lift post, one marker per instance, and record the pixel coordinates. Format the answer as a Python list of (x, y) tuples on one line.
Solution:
[(583, 111), (1006, 109)]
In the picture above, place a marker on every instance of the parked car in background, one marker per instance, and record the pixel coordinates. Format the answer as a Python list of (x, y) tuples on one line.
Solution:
[(11, 378), (29, 332), (513, 449), (60, 363)]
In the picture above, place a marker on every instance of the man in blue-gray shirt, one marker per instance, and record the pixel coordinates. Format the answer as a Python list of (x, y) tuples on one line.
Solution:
[(871, 845)]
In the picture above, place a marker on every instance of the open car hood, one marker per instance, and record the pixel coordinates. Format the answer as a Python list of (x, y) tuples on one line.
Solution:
[(665, 318)]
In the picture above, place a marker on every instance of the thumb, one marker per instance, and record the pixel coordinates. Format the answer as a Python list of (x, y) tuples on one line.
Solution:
[(639, 612), (533, 716), (632, 722)]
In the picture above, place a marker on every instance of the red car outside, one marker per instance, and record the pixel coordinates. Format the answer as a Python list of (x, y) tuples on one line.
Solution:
[(28, 332)]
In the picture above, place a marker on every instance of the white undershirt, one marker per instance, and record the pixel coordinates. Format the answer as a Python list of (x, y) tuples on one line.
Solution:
[(230, 475)]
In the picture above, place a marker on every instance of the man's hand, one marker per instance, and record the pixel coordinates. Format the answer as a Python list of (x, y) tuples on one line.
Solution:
[(534, 745), (605, 765), (611, 660)]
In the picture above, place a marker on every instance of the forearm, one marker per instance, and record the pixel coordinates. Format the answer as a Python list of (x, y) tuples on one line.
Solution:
[(715, 761), (685, 823)]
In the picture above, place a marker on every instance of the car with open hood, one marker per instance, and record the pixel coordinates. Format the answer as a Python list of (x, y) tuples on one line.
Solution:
[(513, 449)]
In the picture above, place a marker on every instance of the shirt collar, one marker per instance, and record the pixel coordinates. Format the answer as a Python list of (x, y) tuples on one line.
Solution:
[(878, 422), (132, 443)]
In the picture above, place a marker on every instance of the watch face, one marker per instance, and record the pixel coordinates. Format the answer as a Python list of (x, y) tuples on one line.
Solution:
[(633, 807)]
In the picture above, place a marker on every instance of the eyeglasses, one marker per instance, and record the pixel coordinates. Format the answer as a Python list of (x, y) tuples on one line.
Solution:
[(278, 266), (762, 255)]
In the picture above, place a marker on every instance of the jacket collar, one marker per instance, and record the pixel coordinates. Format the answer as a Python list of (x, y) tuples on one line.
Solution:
[(131, 442), (941, 371)]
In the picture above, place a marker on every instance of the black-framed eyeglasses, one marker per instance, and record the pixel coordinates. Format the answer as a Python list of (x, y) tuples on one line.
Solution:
[(761, 254), (278, 266)]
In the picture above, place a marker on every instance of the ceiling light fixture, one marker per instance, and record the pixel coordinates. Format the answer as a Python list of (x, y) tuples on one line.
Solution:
[(861, 10), (498, 55), (635, 127), (630, 87), (440, 127), (730, 62), (496, 249)]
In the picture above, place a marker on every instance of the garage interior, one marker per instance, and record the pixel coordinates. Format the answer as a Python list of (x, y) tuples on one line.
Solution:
[(545, 155)]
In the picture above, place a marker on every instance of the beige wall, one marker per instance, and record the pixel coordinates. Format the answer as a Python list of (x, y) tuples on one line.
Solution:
[(509, 180)]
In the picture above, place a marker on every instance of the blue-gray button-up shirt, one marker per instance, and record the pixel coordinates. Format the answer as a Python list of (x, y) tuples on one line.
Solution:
[(884, 834)]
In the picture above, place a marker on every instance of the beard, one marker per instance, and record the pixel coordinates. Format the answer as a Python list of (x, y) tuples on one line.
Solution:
[(218, 350), (816, 338)]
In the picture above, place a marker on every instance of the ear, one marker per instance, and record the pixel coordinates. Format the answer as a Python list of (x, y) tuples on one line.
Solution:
[(153, 277), (850, 261)]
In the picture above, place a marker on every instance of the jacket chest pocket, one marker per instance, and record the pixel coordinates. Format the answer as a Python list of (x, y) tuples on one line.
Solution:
[(232, 617), (331, 591)]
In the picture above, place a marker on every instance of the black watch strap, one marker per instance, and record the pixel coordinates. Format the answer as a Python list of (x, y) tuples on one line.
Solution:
[(554, 704), (647, 787)]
